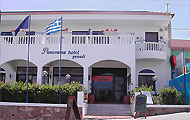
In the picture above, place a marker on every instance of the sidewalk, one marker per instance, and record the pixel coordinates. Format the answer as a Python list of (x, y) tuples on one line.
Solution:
[(175, 116)]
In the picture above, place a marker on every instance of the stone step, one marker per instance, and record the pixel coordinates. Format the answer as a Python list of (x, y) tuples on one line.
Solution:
[(88, 117), (109, 109)]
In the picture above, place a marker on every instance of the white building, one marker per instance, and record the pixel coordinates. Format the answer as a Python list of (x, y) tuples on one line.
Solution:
[(102, 61)]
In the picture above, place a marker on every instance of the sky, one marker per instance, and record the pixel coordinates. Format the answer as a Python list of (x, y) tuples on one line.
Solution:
[(181, 9)]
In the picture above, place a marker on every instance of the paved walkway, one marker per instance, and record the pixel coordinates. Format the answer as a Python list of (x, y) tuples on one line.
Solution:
[(176, 116)]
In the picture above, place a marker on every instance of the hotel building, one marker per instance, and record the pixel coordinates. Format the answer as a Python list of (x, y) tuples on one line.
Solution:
[(109, 52)]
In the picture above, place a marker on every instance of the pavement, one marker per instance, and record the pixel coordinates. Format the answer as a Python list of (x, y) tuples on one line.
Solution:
[(175, 116)]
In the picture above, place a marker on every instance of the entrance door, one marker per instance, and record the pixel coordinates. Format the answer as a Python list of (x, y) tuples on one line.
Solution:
[(109, 84)]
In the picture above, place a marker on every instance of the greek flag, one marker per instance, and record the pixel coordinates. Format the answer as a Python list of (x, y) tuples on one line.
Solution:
[(54, 26)]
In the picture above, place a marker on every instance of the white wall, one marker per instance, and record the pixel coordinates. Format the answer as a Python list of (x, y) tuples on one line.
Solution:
[(161, 69)]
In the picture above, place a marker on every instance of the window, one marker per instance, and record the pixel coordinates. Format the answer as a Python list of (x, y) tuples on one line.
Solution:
[(76, 74), (146, 80), (6, 34), (97, 33), (31, 32), (22, 74), (80, 33), (151, 36)]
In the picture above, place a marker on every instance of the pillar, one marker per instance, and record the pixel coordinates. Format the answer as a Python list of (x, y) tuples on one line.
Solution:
[(85, 78), (39, 75), (133, 77)]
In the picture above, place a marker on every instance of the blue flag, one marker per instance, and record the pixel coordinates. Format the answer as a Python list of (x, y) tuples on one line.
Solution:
[(23, 25), (54, 27)]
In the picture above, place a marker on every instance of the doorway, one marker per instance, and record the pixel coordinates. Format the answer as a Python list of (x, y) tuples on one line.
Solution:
[(109, 85)]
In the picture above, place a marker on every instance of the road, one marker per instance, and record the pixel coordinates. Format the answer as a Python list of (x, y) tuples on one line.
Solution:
[(176, 116)]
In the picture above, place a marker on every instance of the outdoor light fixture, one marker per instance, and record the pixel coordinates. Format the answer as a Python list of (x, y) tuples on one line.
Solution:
[(154, 79), (44, 74), (88, 77), (67, 77)]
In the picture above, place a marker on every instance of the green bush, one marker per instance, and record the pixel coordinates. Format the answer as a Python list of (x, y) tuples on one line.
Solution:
[(37, 93), (170, 96)]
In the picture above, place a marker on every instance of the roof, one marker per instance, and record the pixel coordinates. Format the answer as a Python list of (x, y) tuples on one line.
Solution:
[(86, 12)]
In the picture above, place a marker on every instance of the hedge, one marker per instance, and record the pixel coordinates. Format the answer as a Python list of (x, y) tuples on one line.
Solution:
[(16, 92)]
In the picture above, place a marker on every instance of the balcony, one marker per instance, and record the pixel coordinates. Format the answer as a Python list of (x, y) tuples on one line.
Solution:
[(107, 39), (151, 50)]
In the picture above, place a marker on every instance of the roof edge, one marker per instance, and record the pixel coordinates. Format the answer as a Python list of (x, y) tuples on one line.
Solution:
[(85, 12)]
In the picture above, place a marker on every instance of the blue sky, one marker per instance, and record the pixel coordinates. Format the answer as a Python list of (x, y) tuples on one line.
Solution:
[(181, 8)]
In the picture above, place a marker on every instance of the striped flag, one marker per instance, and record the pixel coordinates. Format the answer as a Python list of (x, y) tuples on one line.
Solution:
[(54, 27)]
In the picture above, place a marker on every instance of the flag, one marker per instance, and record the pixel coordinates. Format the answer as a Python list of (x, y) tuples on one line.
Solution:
[(54, 27), (23, 25)]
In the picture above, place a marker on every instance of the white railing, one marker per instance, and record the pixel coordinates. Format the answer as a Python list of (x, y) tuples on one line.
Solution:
[(69, 39), (150, 46)]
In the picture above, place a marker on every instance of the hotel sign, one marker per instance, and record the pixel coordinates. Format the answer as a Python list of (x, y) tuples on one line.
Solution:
[(74, 53), (140, 103)]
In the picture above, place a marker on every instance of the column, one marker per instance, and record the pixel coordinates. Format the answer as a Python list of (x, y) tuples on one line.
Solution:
[(39, 75), (133, 78), (85, 78)]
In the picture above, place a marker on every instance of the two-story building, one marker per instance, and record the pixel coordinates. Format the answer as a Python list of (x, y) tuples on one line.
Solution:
[(103, 50)]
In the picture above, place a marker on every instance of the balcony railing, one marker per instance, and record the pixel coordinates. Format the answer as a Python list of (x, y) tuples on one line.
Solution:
[(70, 39), (150, 46)]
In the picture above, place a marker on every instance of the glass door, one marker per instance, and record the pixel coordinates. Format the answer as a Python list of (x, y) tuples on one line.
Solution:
[(120, 89)]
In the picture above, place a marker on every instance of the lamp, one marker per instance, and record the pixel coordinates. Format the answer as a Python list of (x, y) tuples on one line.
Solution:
[(44, 74), (154, 79), (67, 77), (161, 30), (88, 77)]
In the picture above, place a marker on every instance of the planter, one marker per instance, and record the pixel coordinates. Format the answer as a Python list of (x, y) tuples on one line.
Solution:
[(126, 99), (91, 98)]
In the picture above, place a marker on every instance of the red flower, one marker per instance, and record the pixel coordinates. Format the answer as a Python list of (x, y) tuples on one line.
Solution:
[(86, 97)]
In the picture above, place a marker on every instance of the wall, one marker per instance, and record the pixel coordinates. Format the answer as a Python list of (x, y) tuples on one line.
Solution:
[(25, 111), (161, 69), (166, 109), (178, 83)]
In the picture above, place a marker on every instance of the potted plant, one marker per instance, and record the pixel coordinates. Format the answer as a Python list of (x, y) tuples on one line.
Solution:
[(86, 99)]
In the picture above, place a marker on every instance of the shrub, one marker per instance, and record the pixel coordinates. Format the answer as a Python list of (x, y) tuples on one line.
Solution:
[(170, 96), (156, 99), (37, 93)]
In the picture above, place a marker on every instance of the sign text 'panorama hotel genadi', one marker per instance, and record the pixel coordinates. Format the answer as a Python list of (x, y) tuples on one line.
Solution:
[(75, 53)]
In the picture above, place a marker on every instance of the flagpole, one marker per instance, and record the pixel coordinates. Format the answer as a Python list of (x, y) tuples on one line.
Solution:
[(28, 56), (184, 74), (60, 64)]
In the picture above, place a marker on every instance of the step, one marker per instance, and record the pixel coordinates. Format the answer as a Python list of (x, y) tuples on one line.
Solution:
[(109, 109), (88, 117)]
